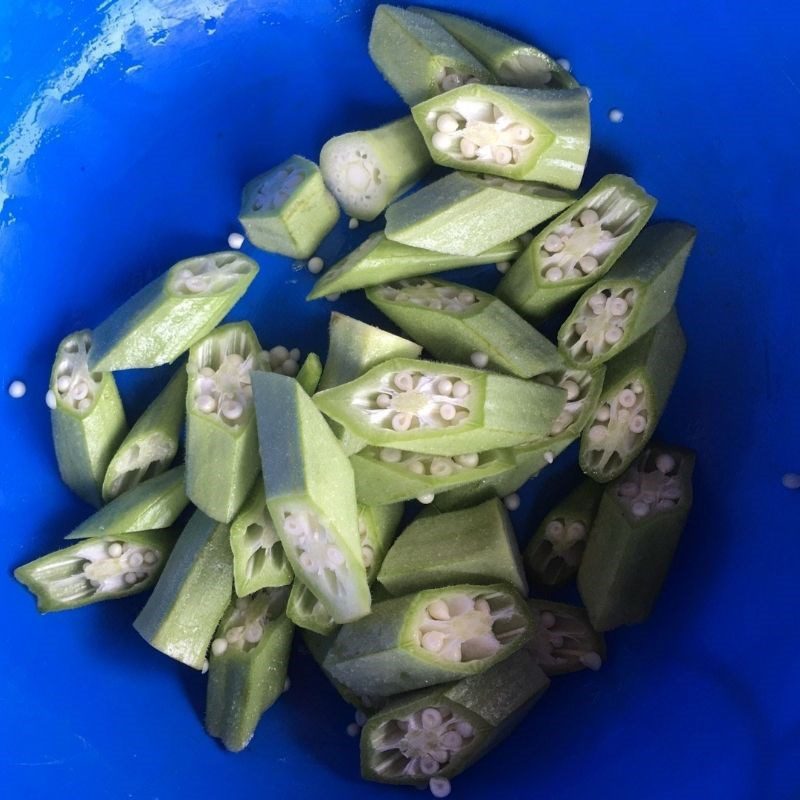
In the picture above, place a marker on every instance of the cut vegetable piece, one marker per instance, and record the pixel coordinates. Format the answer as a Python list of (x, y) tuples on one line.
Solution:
[(634, 536), (577, 248), (163, 320), (638, 384), (247, 665), (305, 611), (222, 460), (152, 444), (377, 527), (288, 209), (88, 420), (311, 496), (417, 56), (465, 214), (637, 293), (182, 613), (310, 373), (103, 568), (429, 637), (456, 322)]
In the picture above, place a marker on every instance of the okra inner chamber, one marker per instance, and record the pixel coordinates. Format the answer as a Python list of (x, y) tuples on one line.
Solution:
[(276, 188), (435, 466), (564, 638), (208, 275), (577, 384), (75, 384), (243, 626), (601, 323), (652, 486), (422, 292), (564, 542), (260, 540), (140, 463)]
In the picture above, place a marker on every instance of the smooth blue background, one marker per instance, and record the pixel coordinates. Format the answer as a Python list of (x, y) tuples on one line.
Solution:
[(152, 125)]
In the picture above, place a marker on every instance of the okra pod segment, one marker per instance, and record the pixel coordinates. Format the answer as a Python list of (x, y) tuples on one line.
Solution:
[(310, 373), (305, 611), (377, 526)]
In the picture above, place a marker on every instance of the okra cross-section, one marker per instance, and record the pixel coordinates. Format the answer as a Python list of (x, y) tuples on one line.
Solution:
[(444, 409), (307, 612), (429, 637)]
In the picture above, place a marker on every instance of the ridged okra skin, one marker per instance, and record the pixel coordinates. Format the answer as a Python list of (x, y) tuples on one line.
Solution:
[(310, 373), (88, 421), (166, 317), (377, 528), (634, 537)]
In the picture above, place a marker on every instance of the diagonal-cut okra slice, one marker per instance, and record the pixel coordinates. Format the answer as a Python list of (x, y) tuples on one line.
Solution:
[(166, 317), (151, 505), (103, 568), (565, 640), (457, 323), (417, 56), (476, 545), (288, 209), (195, 588), (307, 612), (222, 459), (366, 170), (310, 373), (440, 732), (88, 420), (524, 134), (638, 384), (377, 526), (464, 214), (637, 293), (554, 553), (430, 637), (379, 260), (577, 248), (311, 496), (247, 665), (151, 446), (634, 536)]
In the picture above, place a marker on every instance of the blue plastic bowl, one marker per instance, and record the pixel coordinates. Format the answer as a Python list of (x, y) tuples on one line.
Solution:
[(126, 133)]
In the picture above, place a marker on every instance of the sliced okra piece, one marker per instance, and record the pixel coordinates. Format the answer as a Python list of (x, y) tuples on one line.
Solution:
[(88, 420), (195, 588), (476, 545), (366, 170), (634, 536), (460, 323), (418, 57), (577, 248), (523, 134), (307, 612), (151, 505), (430, 637), (377, 526), (638, 384), (288, 209), (102, 568), (310, 373), (464, 214), (379, 260), (554, 553), (247, 665), (440, 732), (222, 459), (311, 496), (166, 317), (152, 443), (637, 293)]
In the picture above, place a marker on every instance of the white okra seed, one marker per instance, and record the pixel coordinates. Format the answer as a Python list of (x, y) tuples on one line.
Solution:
[(548, 619), (598, 433), (353, 730), (442, 141), (390, 455), (549, 456), (84, 404), (564, 63), (315, 265), (115, 550), (612, 335), (553, 243), (479, 359), (665, 463), (235, 241), (554, 274), (469, 460), (468, 148), (294, 354), (588, 264), (431, 718), (428, 765), (433, 641), (627, 398), (417, 467), (401, 422), (427, 498), (17, 389), (502, 155), (150, 557), (640, 508), (444, 386), (447, 412), (50, 399), (219, 646), (503, 267), (791, 480), (438, 610), (290, 367), (446, 123), (460, 389), (353, 223), (638, 424), (136, 560), (332, 298), (206, 403), (383, 400), (589, 216), (511, 501), (130, 578), (591, 660), (603, 413), (439, 787), (554, 529), (204, 668), (616, 115), (232, 409)]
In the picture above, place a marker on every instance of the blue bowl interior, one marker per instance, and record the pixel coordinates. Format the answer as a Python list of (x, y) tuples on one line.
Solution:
[(126, 134)]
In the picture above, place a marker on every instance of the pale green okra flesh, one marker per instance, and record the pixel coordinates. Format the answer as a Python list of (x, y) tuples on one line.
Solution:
[(307, 612), (310, 373), (377, 527)]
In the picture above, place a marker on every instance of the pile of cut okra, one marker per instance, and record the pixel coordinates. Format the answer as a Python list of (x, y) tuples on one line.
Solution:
[(298, 472)]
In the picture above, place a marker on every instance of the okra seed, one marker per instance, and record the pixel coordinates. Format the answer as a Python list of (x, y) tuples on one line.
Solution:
[(672, 493), (598, 433), (451, 81), (62, 384), (638, 387), (50, 399), (205, 666), (287, 684), (554, 274), (401, 422), (431, 718), (640, 508), (554, 529), (521, 133), (150, 557), (448, 411), (502, 155), (447, 123), (665, 463), (367, 555), (253, 633), (353, 223), (444, 386), (235, 241), (571, 388), (665, 505), (232, 409), (466, 298), (390, 454), (460, 389), (83, 405), (479, 359), (612, 336), (332, 298), (441, 467), (627, 398), (553, 243), (80, 390), (130, 578), (603, 413), (597, 302), (290, 367), (439, 787), (335, 556), (442, 141), (433, 641), (294, 354), (511, 502), (404, 381), (136, 560), (503, 266), (576, 531), (383, 401), (196, 284), (791, 480), (465, 729), (468, 148), (115, 550), (549, 456), (206, 403), (438, 610), (235, 634), (588, 264), (427, 498), (589, 217), (564, 63), (615, 115), (278, 354), (617, 306), (469, 460), (428, 765), (591, 660), (452, 740), (219, 646), (548, 619), (207, 372), (628, 489), (315, 265), (482, 605), (638, 424), (353, 730), (417, 467)]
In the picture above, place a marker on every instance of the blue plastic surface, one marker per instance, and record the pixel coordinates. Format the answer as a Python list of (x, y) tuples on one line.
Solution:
[(126, 133)]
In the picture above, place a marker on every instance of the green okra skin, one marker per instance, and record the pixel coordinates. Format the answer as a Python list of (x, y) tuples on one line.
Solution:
[(638, 384), (554, 552), (195, 588), (222, 460), (379, 260), (465, 214), (311, 496), (288, 209), (577, 248), (247, 666), (310, 373), (523, 134), (636, 294), (307, 612), (459, 323), (152, 443), (88, 420), (366, 170), (417, 56), (476, 545), (634, 536), (430, 637), (439, 732), (97, 569), (151, 505), (166, 317), (377, 527)]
